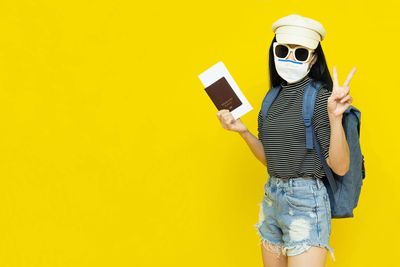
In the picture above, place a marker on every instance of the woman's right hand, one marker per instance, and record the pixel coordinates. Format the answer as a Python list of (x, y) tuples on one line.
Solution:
[(229, 123)]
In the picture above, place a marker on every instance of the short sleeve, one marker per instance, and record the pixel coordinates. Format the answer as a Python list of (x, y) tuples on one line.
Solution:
[(321, 120), (260, 123)]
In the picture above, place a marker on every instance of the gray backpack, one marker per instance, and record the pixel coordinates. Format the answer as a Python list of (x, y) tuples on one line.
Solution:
[(344, 191)]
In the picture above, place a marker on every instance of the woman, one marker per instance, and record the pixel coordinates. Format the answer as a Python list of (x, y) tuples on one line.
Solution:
[(295, 217)]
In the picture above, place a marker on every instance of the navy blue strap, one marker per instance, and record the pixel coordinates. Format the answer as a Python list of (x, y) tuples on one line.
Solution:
[(269, 99), (327, 169), (309, 98), (357, 113), (310, 93)]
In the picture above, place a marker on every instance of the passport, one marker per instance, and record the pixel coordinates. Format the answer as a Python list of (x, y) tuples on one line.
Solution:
[(224, 91), (222, 95)]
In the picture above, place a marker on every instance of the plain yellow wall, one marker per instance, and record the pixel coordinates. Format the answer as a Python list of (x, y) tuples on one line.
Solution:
[(111, 151)]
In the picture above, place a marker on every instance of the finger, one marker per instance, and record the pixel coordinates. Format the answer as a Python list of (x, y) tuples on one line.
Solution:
[(336, 95), (227, 114), (335, 77), (346, 106), (223, 111), (344, 91), (337, 91), (228, 118), (220, 114), (223, 114), (349, 77), (345, 99)]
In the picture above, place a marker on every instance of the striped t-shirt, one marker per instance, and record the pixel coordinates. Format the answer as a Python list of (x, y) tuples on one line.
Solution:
[(282, 133)]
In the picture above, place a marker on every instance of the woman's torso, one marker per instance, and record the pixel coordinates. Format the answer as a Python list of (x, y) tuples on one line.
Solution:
[(282, 133)]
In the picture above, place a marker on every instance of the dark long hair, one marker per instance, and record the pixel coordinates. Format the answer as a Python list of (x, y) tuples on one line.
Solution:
[(319, 71)]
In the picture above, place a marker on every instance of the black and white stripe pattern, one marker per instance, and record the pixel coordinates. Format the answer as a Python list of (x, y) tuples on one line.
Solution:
[(282, 133)]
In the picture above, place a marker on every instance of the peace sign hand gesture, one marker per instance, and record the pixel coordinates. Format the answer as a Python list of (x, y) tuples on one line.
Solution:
[(340, 98)]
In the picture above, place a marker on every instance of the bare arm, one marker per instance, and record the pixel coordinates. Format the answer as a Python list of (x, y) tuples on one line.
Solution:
[(338, 102), (255, 145), (229, 123), (339, 152)]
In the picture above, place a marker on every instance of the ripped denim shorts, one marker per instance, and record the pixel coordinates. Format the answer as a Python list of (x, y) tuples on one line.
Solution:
[(295, 214)]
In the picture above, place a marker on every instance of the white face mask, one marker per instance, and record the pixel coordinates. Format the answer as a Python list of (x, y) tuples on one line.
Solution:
[(291, 71)]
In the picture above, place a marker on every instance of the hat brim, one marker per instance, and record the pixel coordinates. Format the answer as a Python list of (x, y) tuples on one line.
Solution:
[(286, 38)]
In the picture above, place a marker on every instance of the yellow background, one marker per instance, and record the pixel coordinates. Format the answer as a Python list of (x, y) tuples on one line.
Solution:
[(111, 151)]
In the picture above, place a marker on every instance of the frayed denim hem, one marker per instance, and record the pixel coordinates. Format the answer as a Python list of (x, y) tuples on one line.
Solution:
[(299, 248), (276, 248)]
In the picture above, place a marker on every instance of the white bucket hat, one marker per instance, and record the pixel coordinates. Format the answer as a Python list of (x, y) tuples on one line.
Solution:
[(296, 29)]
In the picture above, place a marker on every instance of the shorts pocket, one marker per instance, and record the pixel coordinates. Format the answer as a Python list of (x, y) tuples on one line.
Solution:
[(267, 193), (301, 199)]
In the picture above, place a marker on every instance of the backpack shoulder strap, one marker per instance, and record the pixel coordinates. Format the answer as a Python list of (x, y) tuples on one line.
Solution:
[(357, 114), (309, 97), (352, 124), (269, 99)]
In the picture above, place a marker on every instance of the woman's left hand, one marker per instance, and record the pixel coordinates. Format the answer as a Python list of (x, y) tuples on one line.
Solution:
[(340, 98)]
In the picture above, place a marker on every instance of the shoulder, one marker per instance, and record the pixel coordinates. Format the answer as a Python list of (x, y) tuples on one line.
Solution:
[(323, 93), (321, 106), (322, 97)]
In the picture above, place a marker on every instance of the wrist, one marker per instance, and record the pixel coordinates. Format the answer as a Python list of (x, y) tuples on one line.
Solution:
[(335, 118), (244, 132)]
